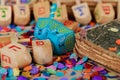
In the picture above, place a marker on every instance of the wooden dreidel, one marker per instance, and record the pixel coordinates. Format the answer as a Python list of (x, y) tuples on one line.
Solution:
[(71, 25), (21, 13), (15, 55), (41, 9), (5, 14), (104, 12), (6, 38), (59, 11), (118, 9), (82, 13), (42, 51)]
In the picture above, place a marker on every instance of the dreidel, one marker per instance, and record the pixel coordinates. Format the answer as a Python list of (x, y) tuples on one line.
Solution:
[(118, 9), (6, 38), (59, 12), (21, 13), (5, 14), (41, 9), (15, 55), (104, 12), (81, 12), (42, 51)]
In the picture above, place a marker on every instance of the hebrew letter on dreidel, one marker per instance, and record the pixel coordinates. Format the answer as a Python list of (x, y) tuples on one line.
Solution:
[(3, 10), (15, 48), (80, 10), (106, 9), (6, 58), (22, 10)]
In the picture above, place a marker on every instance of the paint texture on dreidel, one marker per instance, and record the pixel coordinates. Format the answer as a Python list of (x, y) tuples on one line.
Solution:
[(45, 25), (59, 11), (41, 9), (104, 12), (81, 12), (21, 14), (15, 55), (42, 51), (62, 38), (5, 15)]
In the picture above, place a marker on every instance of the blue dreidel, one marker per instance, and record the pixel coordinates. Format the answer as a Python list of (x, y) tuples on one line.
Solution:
[(44, 25), (63, 40)]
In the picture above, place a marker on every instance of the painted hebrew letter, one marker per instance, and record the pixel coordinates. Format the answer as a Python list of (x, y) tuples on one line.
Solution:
[(15, 48), (3, 12), (6, 58)]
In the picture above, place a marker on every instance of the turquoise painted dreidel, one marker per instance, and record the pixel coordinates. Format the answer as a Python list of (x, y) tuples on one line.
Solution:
[(21, 13), (15, 55), (104, 12), (63, 40), (41, 9), (81, 12), (58, 11), (45, 25), (5, 14)]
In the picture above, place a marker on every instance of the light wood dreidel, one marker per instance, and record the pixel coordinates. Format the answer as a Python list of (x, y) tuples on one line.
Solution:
[(118, 9), (42, 51), (15, 55), (41, 9), (6, 38), (60, 12), (5, 14), (81, 12), (21, 13), (104, 12)]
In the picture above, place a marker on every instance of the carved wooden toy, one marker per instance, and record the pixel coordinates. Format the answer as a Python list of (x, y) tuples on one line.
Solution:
[(81, 12), (104, 12), (118, 9), (72, 25), (15, 55), (6, 38), (5, 14), (59, 11), (41, 9), (21, 13), (62, 38), (42, 51)]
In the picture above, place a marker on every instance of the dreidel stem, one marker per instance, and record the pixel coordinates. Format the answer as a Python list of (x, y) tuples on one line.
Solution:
[(77, 2), (58, 3)]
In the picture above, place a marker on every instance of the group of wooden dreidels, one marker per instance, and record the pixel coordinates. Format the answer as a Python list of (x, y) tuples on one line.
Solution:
[(103, 12), (16, 55)]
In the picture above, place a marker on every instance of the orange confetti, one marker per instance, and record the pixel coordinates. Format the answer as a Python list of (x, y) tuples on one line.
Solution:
[(112, 49), (27, 68), (92, 24), (118, 41)]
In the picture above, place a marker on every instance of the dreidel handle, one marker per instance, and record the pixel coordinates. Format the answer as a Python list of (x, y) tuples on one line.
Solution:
[(58, 3), (77, 2)]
